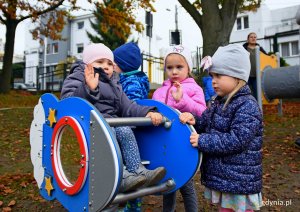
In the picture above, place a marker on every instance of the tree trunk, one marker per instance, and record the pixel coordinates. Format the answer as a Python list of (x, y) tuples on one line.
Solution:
[(5, 76), (215, 23)]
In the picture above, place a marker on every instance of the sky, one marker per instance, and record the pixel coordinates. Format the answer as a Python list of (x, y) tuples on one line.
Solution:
[(165, 16)]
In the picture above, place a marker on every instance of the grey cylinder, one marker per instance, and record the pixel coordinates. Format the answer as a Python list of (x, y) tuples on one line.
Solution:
[(281, 83)]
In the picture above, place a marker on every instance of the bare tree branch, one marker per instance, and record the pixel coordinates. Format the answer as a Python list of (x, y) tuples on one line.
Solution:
[(192, 11), (53, 7)]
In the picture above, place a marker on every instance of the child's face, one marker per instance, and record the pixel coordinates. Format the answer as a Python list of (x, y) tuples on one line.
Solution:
[(117, 69), (223, 84), (177, 68), (106, 64)]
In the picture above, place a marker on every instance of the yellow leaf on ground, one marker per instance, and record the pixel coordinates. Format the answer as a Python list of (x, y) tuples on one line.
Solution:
[(12, 203)]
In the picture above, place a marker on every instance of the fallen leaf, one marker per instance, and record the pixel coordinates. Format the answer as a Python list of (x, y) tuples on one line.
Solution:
[(6, 209), (294, 171), (8, 191), (266, 175), (1, 203), (23, 184), (11, 203)]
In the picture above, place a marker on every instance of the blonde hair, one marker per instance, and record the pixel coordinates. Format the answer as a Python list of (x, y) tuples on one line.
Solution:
[(240, 84)]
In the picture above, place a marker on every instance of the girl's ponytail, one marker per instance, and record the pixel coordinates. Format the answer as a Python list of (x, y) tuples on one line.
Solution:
[(240, 84)]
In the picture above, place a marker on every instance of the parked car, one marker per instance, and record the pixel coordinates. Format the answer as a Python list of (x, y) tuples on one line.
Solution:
[(30, 87), (20, 86)]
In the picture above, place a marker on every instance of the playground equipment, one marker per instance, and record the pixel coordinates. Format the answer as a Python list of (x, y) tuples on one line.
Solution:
[(275, 82), (99, 175)]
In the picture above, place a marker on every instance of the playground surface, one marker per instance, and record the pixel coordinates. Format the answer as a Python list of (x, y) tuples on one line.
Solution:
[(281, 167)]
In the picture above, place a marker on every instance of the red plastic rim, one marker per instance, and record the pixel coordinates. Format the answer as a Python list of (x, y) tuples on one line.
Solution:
[(59, 174)]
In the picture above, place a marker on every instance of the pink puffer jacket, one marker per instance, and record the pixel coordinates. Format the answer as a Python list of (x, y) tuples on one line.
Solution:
[(192, 100)]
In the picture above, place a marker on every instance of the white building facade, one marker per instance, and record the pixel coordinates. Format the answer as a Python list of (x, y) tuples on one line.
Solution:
[(277, 31)]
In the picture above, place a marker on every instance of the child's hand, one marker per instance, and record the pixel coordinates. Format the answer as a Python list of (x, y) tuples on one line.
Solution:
[(187, 118), (194, 139), (177, 94), (156, 118), (91, 79)]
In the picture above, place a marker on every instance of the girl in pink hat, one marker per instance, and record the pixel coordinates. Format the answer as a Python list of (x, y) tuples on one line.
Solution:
[(181, 92)]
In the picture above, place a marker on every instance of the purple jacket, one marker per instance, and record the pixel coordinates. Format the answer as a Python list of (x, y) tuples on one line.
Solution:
[(192, 100), (108, 97)]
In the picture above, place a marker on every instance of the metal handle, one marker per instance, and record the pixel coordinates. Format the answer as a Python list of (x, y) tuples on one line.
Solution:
[(164, 187), (136, 121)]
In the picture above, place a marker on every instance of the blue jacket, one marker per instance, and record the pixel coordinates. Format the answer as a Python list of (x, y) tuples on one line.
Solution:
[(135, 84), (108, 97), (231, 141), (209, 91)]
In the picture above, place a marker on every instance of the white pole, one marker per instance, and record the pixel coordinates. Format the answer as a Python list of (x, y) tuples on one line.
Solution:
[(45, 69)]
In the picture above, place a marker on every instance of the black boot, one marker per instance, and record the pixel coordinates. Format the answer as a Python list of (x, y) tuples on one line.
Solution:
[(297, 142)]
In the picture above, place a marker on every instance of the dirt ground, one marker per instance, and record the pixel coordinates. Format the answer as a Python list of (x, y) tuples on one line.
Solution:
[(281, 166)]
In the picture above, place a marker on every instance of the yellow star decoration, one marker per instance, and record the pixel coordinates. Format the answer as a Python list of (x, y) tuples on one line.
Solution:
[(51, 117), (48, 185)]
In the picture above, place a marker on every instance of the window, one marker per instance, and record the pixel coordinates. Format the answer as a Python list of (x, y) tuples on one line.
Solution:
[(80, 25), (295, 48), (246, 22), (242, 23), (48, 50), (239, 24), (289, 48), (285, 52), (79, 47), (54, 48)]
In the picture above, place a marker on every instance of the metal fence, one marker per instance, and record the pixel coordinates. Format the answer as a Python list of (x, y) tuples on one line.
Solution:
[(46, 78), (51, 77), (153, 67)]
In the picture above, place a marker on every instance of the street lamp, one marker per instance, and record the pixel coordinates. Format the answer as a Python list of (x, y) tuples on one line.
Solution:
[(175, 35)]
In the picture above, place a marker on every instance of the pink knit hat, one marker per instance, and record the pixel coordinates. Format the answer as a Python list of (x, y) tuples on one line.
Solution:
[(96, 51), (183, 51)]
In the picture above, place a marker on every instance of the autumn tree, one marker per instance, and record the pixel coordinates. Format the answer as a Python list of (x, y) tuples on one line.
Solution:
[(115, 20), (12, 12), (215, 19)]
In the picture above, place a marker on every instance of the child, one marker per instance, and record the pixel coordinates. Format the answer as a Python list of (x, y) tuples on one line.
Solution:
[(135, 84), (230, 135), (92, 79), (181, 91), (209, 92)]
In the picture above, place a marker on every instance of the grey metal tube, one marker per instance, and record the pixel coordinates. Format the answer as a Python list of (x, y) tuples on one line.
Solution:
[(166, 186), (281, 83), (135, 121), (258, 79)]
